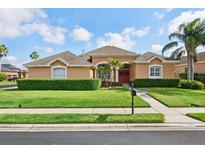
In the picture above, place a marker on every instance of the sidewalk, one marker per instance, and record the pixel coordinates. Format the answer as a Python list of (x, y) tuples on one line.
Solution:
[(77, 110), (171, 115)]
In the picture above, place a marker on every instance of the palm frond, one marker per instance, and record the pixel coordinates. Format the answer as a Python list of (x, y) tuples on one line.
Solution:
[(176, 54), (176, 35), (169, 46)]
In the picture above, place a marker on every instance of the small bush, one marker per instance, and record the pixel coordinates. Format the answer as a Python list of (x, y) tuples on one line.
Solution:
[(2, 76), (197, 76), (156, 83), (191, 84), (58, 84)]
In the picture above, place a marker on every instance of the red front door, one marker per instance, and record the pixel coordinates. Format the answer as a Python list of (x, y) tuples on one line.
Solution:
[(124, 76)]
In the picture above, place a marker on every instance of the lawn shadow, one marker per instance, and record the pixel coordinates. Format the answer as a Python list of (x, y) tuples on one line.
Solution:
[(102, 118)]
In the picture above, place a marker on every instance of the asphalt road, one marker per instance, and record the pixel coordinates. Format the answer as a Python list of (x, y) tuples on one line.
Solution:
[(107, 138)]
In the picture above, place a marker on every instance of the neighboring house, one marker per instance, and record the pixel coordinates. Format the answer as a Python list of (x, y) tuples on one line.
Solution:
[(13, 71), (68, 65), (199, 66)]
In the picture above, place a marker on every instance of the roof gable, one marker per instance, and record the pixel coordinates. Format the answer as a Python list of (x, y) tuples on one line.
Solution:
[(110, 51), (149, 56), (66, 57)]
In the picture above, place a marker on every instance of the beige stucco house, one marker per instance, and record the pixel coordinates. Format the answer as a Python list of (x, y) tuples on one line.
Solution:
[(13, 72), (67, 65), (199, 66)]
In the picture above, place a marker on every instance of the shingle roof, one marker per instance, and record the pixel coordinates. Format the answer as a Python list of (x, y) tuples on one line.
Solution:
[(67, 56), (147, 56), (200, 57), (110, 51), (9, 68)]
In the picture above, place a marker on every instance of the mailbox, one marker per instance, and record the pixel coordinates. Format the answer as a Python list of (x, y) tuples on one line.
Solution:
[(134, 93)]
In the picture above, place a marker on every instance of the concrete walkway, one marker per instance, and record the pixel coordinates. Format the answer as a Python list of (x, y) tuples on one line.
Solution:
[(77, 110), (171, 115)]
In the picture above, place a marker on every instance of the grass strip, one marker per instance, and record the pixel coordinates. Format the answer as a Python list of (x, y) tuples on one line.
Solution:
[(79, 118)]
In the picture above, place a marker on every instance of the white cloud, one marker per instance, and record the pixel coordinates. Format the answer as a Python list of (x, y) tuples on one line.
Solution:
[(13, 60), (81, 34), (169, 9), (201, 49), (158, 15), (157, 48), (23, 22), (125, 39), (185, 17), (161, 31), (132, 31), (44, 48)]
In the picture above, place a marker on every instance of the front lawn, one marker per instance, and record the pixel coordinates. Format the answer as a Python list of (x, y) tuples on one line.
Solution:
[(198, 116), (7, 82), (79, 118), (176, 97), (114, 97)]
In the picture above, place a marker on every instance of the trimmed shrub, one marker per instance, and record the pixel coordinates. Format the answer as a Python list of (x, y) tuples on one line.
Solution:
[(190, 84), (156, 83), (2, 76), (58, 84), (197, 76)]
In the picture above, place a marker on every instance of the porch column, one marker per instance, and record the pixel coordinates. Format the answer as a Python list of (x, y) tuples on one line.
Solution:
[(112, 75), (117, 75)]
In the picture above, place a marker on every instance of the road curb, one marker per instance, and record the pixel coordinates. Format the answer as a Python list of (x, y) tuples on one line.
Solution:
[(101, 127)]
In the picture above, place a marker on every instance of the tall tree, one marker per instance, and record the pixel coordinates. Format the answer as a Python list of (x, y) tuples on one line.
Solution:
[(3, 52), (115, 64), (191, 35), (34, 55)]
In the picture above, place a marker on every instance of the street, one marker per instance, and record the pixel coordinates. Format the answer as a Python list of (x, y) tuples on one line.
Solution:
[(99, 138)]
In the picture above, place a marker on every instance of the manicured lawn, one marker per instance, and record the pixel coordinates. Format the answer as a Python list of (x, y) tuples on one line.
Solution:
[(176, 97), (6, 82), (79, 118), (115, 97), (198, 116)]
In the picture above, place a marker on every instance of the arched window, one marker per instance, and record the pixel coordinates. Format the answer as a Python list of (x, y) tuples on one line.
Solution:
[(59, 72), (155, 71)]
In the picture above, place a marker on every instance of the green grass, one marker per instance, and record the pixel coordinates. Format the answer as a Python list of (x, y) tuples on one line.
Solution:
[(115, 97), (6, 82), (176, 97), (79, 118), (198, 116)]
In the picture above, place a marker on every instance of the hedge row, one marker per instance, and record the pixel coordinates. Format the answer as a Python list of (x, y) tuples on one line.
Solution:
[(197, 76), (58, 84), (156, 83)]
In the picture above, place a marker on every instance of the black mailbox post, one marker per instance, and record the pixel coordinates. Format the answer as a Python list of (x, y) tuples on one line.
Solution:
[(133, 93)]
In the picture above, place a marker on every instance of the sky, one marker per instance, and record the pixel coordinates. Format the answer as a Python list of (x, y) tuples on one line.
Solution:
[(50, 31)]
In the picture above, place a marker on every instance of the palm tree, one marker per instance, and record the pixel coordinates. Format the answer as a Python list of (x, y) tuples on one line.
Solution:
[(3, 52), (34, 55), (104, 70), (191, 35), (115, 64)]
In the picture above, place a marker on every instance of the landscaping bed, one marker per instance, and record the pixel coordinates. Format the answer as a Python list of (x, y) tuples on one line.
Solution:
[(103, 98), (79, 118), (176, 97), (198, 116)]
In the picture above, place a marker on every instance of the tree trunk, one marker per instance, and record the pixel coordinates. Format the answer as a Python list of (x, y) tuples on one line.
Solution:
[(190, 73)]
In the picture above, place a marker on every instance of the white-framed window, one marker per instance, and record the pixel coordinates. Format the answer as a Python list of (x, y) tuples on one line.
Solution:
[(59, 72), (155, 71)]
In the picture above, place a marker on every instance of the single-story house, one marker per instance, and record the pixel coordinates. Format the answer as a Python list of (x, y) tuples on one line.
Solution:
[(68, 65), (199, 66), (13, 72)]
